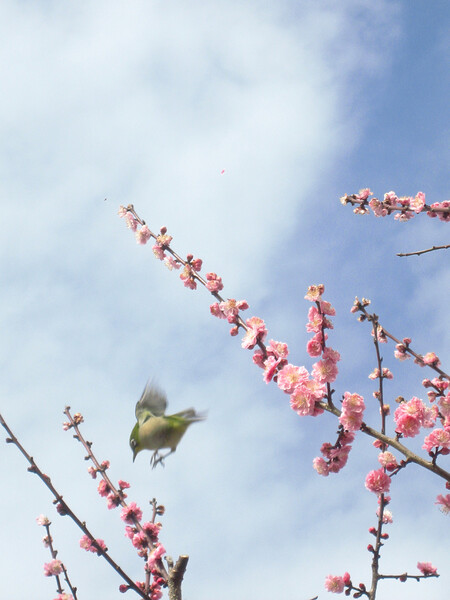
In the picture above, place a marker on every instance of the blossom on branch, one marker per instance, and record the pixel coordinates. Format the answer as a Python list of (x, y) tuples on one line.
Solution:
[(378, 482)]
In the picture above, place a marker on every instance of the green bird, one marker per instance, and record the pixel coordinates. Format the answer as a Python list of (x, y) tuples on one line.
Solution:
[(154, 429)]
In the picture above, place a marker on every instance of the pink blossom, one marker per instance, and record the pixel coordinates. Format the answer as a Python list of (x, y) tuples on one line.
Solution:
[(216, 311), (387, 516), (277, 349), (404, 215), (326, 308), (131, 222), (346, 438), (426, 568), (314, 346), (325, 371), (444, 405), (258, 358), (388, 460), (270, 368), (155, 555), (88, 544), (353, 403), (171, 263), (400, 352), (351, 421), (130, 531), (321, 466), (334, 584), (131, 513), (315, 320), (378, 208), (378, 482), (276, 353), (381, 336), (214, 282), (408, 425), (364, 194), (152, 530), (187, 277), (255, 333), (113, 500), (163, 239), (92, 472), (43, 520), (430, 415), (103, 488), (123, 484), (435, 212), (64, 596), (306, 394), (196, 263), (122, 211), (338, 458), (418, 202), (302, 401), (139, 540), (440, 384), (314, 292), (330, 355), (409, 417), (229, 309), (444, 502), (431, 359), (437, 438), (290, 377), (159, 251), (390, 199), (54, 567), (143, 235), (85, 542)]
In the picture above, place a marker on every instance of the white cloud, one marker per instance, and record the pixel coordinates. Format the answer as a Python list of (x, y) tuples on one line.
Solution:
[(147, 103)]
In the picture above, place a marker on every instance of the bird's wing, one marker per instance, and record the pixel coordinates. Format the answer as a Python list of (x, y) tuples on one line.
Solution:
[(152, 403)]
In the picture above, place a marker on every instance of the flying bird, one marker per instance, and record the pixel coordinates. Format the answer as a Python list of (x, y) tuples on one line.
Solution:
[(154, 429)]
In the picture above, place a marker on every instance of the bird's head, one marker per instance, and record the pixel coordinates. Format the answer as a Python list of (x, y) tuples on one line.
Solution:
[(134, 441)]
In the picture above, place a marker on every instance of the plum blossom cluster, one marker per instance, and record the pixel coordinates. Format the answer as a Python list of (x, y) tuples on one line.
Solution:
[(162, 251), (97, 546), (334, 456), (305, 390), (55, 567), (411, 416), (144, 537), (404, 207), (229, 310)]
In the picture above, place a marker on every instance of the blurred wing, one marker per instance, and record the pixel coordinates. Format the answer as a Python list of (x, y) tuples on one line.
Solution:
[(153, 403)]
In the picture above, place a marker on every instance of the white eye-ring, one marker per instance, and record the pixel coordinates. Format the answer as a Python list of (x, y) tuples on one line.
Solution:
[(133, 443)]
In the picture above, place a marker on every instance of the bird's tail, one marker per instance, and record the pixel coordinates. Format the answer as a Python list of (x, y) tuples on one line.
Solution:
[(190, 415)]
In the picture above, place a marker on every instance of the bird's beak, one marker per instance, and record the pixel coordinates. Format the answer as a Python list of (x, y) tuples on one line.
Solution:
[(134, 454)]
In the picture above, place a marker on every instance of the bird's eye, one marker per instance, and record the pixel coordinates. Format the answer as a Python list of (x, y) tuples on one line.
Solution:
[(133, 443)]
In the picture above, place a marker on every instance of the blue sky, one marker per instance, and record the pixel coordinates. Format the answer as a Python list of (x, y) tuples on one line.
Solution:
[(146, 103)]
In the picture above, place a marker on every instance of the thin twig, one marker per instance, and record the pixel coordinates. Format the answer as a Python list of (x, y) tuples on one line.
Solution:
[(66, 510), (419, 252)]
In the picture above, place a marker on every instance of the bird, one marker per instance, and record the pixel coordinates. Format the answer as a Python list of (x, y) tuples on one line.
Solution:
[(154, 429)]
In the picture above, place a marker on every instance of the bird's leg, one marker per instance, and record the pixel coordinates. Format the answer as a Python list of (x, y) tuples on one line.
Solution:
[(157, 458)]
